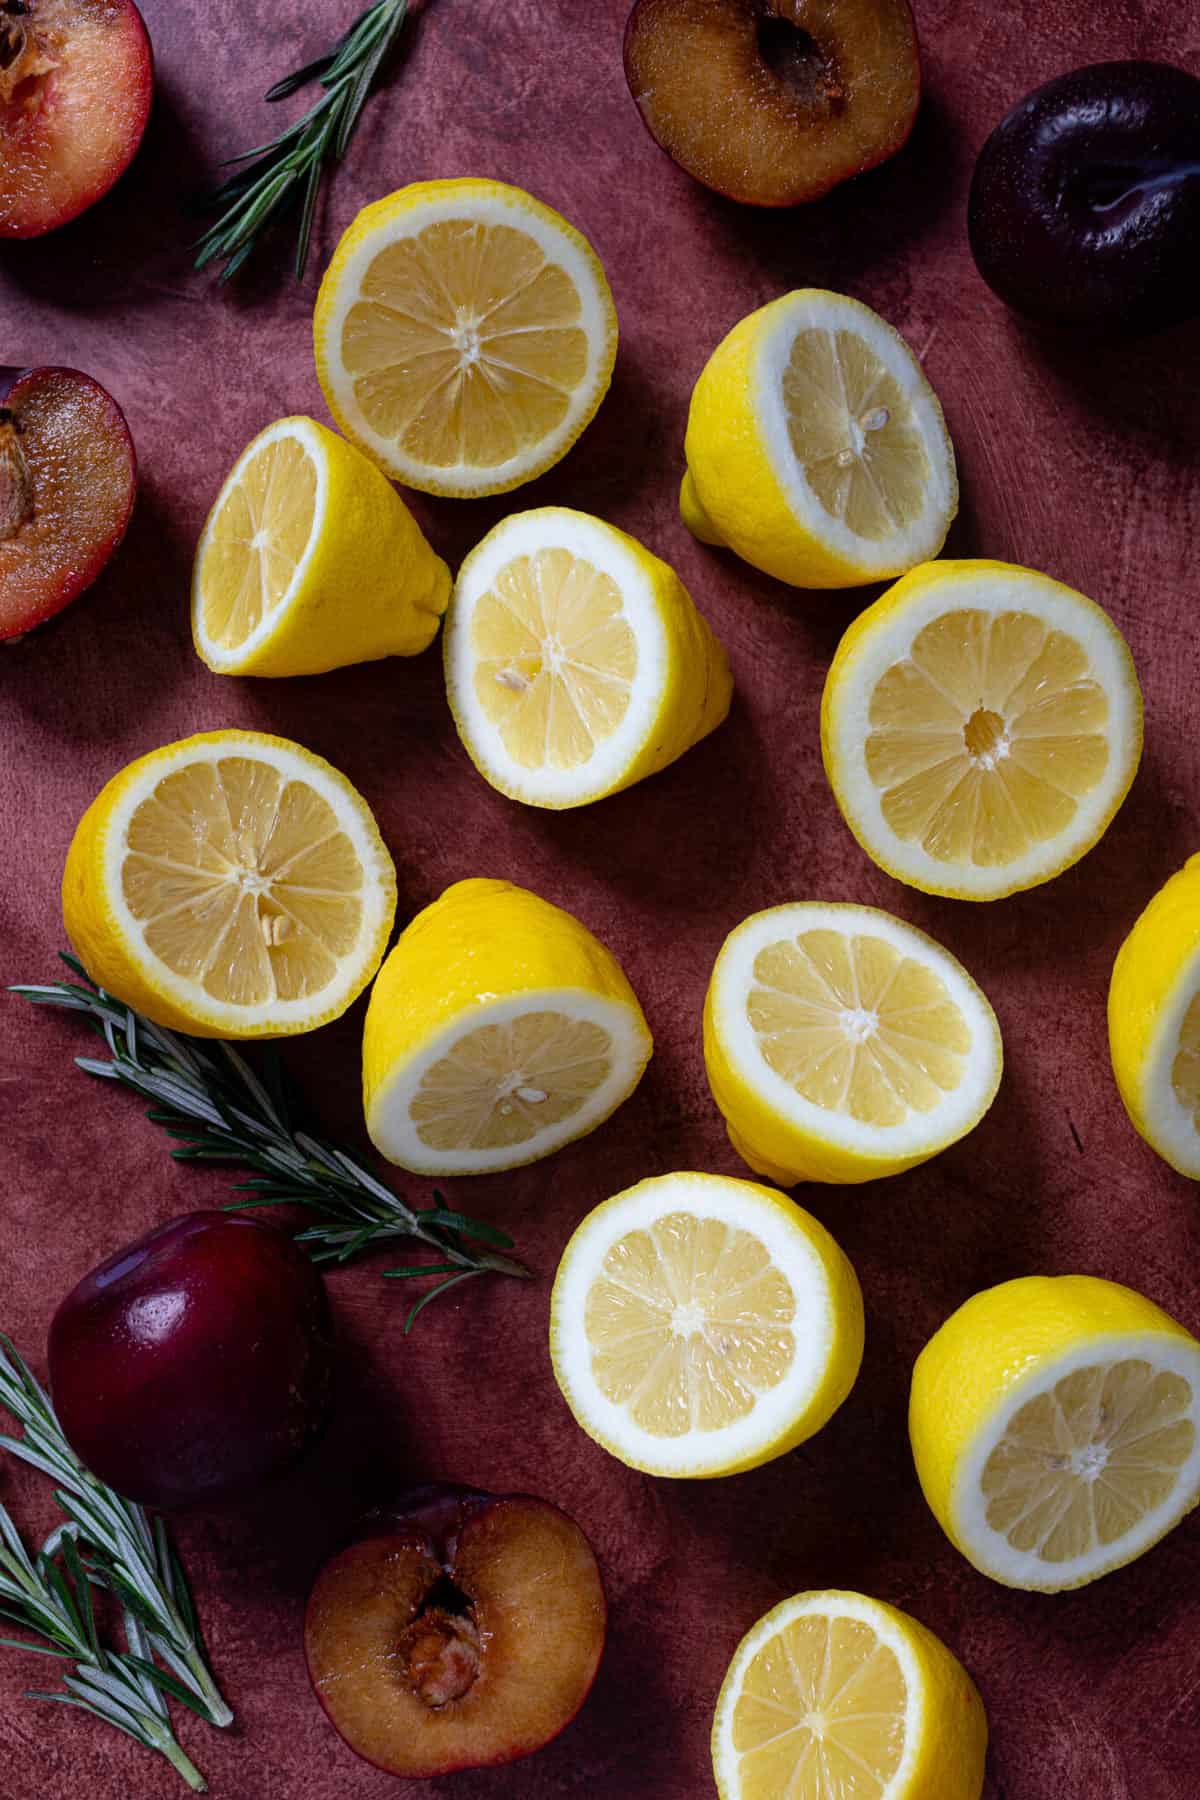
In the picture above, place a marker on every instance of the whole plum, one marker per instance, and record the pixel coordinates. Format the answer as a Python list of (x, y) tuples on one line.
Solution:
[(1085, 204)]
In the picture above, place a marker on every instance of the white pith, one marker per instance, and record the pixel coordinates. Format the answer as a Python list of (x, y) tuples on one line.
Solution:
[(863, 1611), (229, 658), (733, 978), (494, 204), (1170, 1126), (809, 310), (548, 528), (735, 1203), (394, 1132), (990, 1550), (848, 725), (377, 894)]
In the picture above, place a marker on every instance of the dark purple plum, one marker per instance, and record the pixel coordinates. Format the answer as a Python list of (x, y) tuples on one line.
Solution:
[(1085, 203), (195, 1363)]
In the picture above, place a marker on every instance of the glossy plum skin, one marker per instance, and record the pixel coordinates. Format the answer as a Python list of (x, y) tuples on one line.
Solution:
[(195, 1363), (1085, 203)]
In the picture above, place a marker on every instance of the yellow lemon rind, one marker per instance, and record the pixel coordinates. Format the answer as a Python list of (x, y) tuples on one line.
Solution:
[(1155, 978)]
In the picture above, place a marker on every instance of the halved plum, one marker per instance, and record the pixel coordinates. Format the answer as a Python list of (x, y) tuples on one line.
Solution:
[(462, 1630), (774, 102), (76, 81), (68, 477)]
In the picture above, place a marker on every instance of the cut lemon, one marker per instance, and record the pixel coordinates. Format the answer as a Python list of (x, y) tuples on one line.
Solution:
[(1154, 1021), (701, 1325), (230, 885), (499, 1029), (576, 662), (816, 448), (465, 335), (833, 1696), (310, 560), (842, 1044), (1055, 1423), (981, 724)]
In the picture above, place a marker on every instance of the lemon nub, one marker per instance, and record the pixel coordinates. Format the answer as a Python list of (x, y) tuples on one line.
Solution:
[(258, 540), (504, 1083), (1081, 1464)]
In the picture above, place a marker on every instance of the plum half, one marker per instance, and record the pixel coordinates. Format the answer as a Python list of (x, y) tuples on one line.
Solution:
[(68, 476), (195, 1363), (463, 1629), (1085, 203), (76, 82), (774, 102)]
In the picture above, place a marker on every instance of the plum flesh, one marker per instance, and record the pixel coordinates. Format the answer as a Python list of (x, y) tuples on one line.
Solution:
[(1085, 203), (195, 1363)]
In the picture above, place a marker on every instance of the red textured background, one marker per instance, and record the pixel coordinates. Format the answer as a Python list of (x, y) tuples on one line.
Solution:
[(1079, 463)]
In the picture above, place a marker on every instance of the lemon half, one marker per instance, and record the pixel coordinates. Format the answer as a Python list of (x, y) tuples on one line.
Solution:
[(576, 663), (842, 1044), (700, 1325), (230, 885), (1055, 1424), (816, 448), (1154, 1021), (833, 1696), (465, 335)]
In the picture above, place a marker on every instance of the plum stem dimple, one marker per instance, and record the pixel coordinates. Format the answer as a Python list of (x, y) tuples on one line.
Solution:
[(16, 484)]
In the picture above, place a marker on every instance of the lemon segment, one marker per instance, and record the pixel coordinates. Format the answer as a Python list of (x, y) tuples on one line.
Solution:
[(700, 1325), (576, 662), (833, 1695), (499, 1029), (465, 335), (980, 726), (816, 449), (230, 885), (1154, 1021), (1055, 1425), (842, 1044), (310, 560)]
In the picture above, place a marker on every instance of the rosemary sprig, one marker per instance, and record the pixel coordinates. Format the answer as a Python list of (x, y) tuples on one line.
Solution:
[(104, 1541), (291, 166), (211, 1100)]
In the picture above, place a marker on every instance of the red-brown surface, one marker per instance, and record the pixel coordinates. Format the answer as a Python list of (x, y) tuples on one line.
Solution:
[(1080, 463)]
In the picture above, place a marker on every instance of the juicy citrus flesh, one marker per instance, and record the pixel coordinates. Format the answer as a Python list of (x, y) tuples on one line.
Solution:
[(856, 1026), (984, 739), (689, 1322), (554, 658), (502, 1085), (1185, 1069), (1082, 1463), (466, 344), (243, 881), (851, 430), (820, 1714), (257, 541)]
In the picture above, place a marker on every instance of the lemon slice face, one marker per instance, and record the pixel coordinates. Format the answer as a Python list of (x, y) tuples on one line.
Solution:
[(701, 1325), (1154, 1021), (465, 335), (1056, 1428), (258, 539), (834, 1695), (980, 726), (499, 1029), (842, 1044), (816, 447), (231, 884)]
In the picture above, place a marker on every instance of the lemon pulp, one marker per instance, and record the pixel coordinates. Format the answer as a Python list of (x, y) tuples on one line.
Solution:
[(688, 1323), (554, 657), (258, 541), (503, 1083), (1082, 1463), (851, 429), (243, 881), (856, 1026), (986, 737), (1185, 1069), (466, 345), (820, 1714)]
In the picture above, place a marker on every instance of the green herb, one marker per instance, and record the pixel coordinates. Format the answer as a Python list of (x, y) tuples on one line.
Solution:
[(289, 169), (105, 1542), (210, 1099)]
